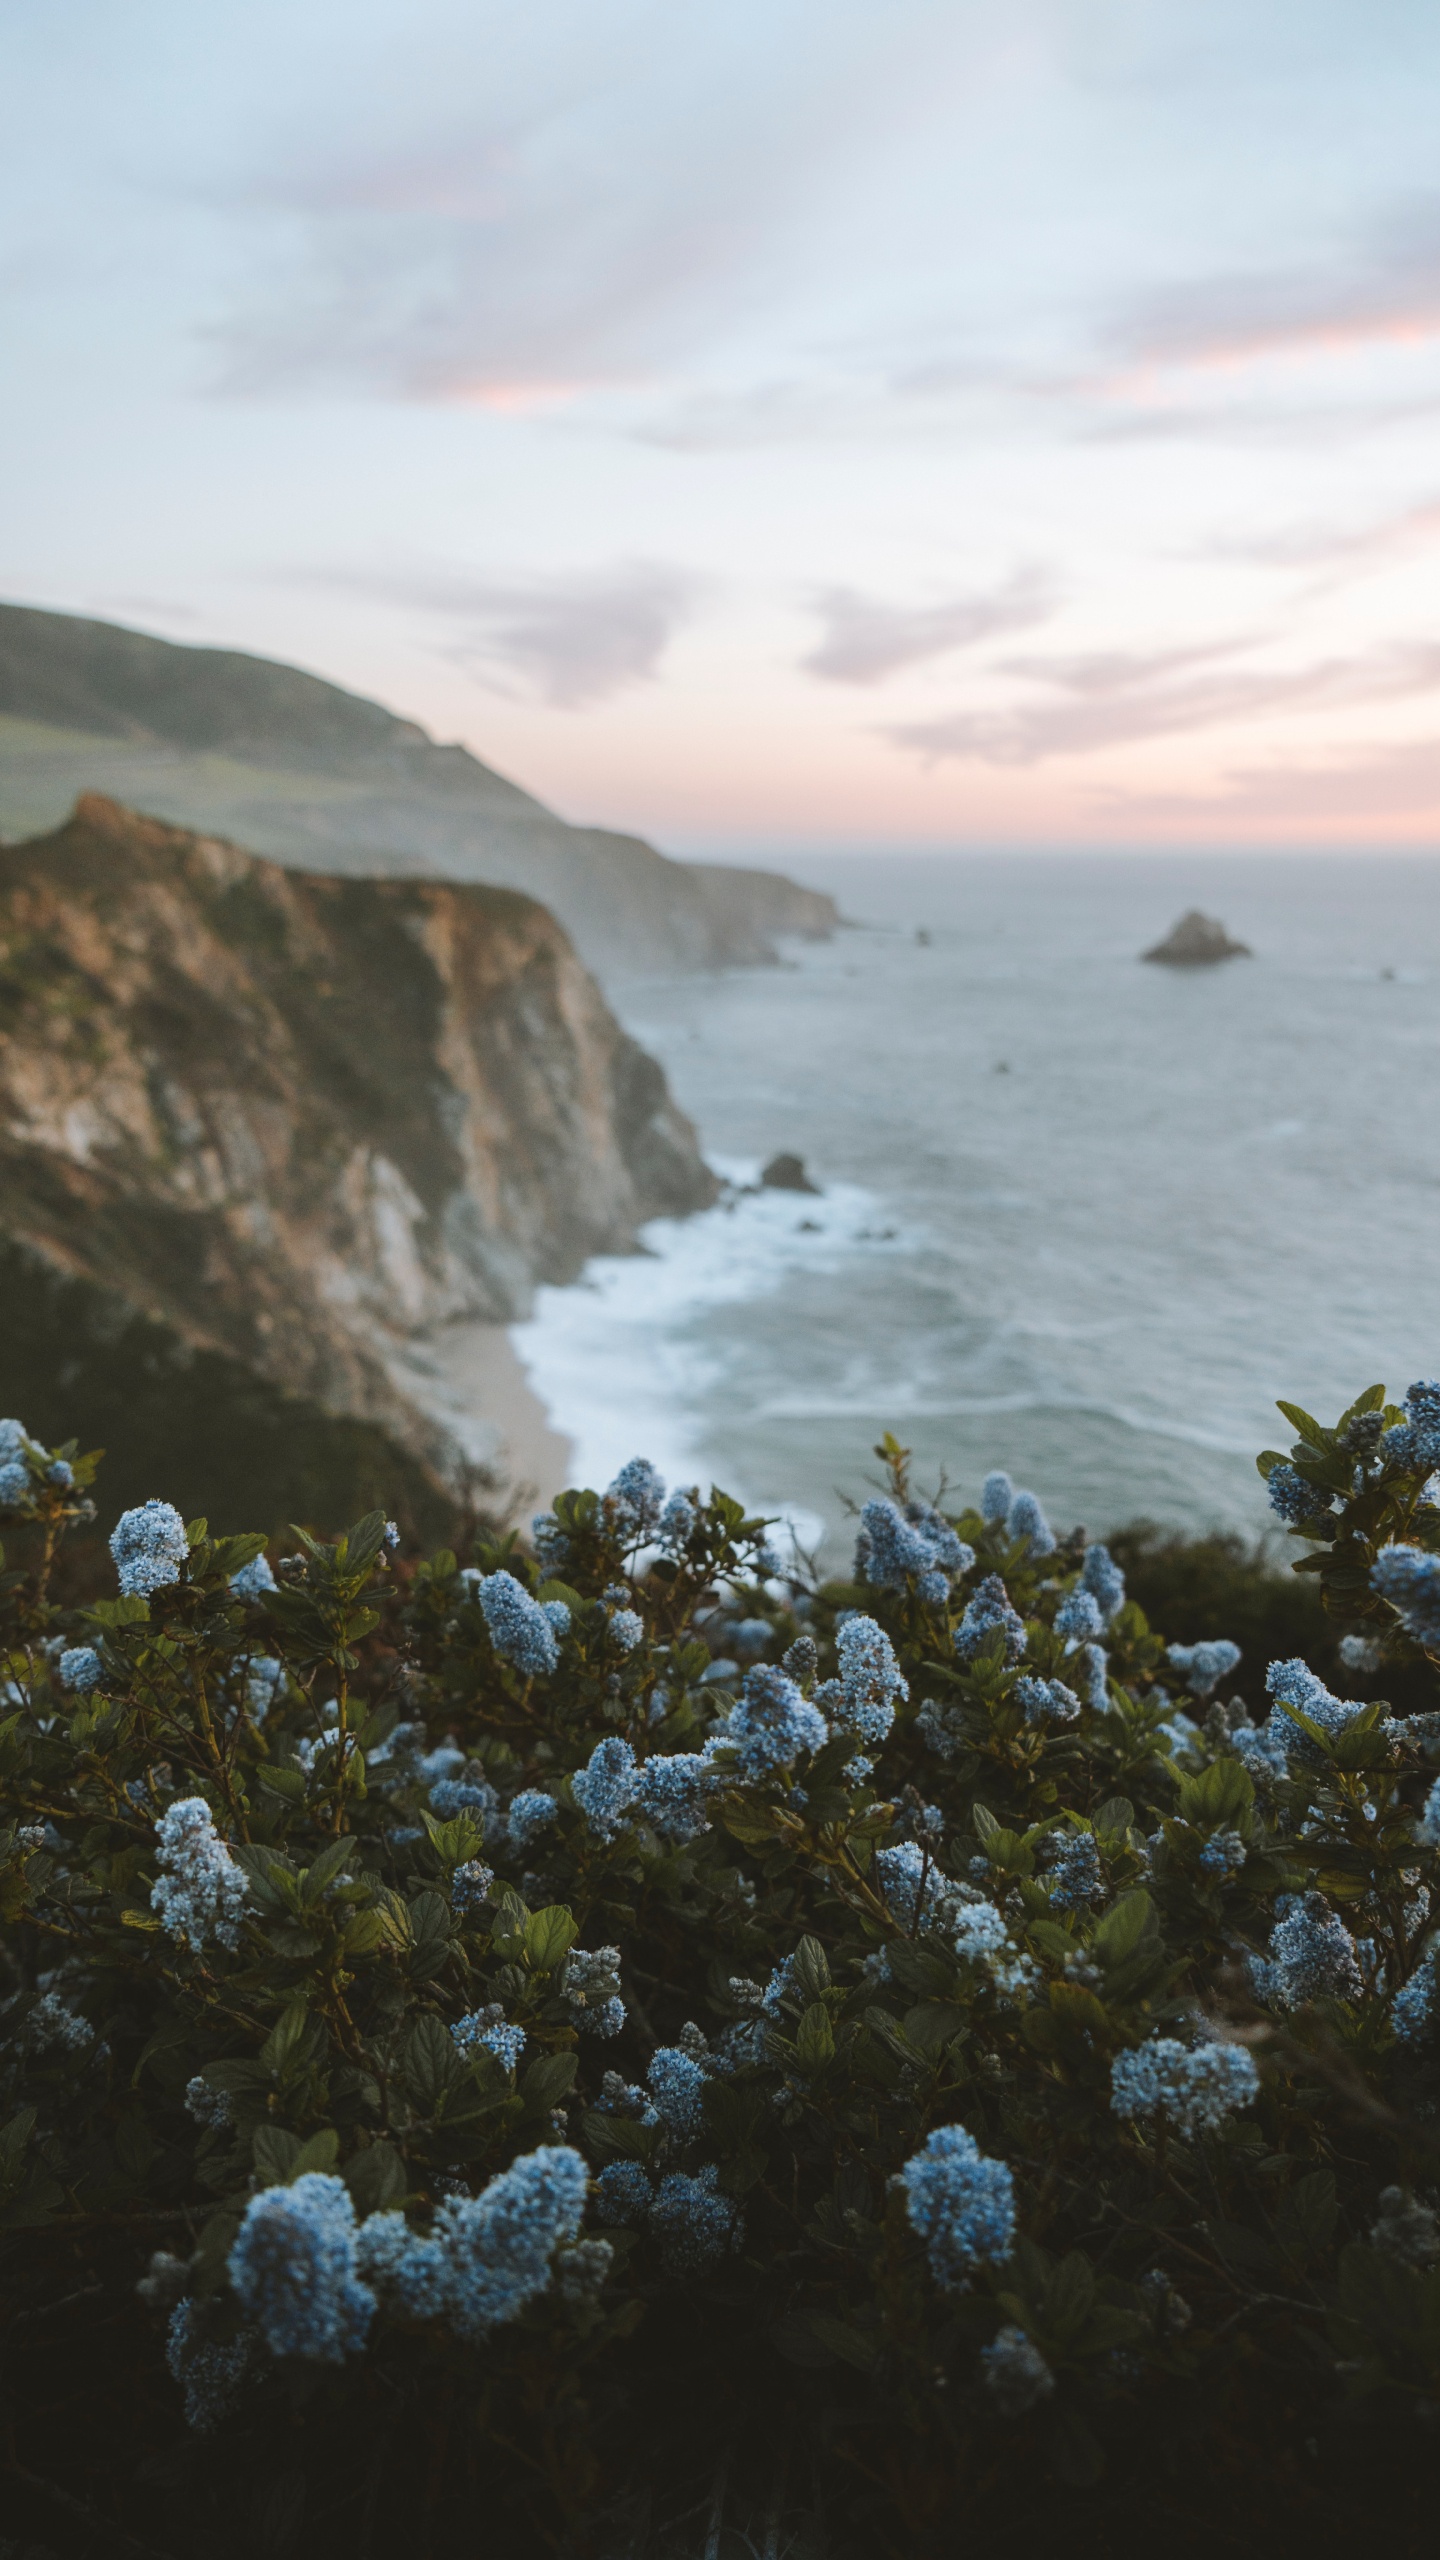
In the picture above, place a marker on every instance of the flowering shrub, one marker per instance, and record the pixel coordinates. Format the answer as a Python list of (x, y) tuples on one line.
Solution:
[(465, 2025)]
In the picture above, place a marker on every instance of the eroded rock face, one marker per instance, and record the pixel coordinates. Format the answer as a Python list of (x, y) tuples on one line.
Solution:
[(310, 1121), (1196, 942), (324, 781)]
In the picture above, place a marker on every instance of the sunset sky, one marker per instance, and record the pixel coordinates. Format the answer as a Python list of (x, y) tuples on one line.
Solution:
[(809, 423)]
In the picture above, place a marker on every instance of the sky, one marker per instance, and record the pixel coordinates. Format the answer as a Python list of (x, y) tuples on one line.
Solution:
[(803, 423)]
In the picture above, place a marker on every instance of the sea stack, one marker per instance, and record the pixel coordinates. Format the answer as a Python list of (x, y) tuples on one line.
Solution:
[(1196, 942)]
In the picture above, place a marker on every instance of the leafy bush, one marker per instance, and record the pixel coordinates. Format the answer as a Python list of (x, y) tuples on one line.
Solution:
[(611, 2023)]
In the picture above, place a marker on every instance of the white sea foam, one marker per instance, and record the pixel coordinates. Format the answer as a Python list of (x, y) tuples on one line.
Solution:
[(618, 1360), (1105, 1262)]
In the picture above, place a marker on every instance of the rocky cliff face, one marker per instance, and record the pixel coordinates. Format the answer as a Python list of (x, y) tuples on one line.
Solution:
[(309, 1124), (320, 778)]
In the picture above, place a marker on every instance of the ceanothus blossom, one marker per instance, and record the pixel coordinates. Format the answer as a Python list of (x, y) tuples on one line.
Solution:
[(202, 1893), (149, 1546), (962, 2204)]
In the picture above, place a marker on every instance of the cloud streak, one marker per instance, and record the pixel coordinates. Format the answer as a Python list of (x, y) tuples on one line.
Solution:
[(573, 642), (1120, 699), (1385, 290), (866, 640)]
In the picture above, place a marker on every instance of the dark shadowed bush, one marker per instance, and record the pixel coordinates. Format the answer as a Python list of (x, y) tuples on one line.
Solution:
[(609, 2049)]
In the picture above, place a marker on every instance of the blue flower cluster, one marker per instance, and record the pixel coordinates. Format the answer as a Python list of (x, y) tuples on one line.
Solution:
[(207, 2104), (1312, 1956), (772, 1723), (911, 1883), (149, 1546), (1103, 1579), (14, 1473), (896, 1547), (1075, 1874), (1015, 2372), (1079, 1615), (487, 2256), (293, 2266), (522, 1631), (1046, 1701), (982, 1937), (863, 1700), (1413, 2008), (211, 2372), (669, 1790), (552, 1546), (1204, 1665), (996, 1495), (1025, 1519), (1223, 1854), (693, 2223), (592, 1990), (605, 1788), (488, 2029), (1409, 1578), (202, 1894), (635, 1501), (80, 1669), (1415, 1444), (1271, 1747), (989, 1608), (1292, 1499), (677, 1520), (470, 1885), (253, 1580), (961, 2203), (1194, 2088), (264, 1682), (677, 2089), (531, 1812)]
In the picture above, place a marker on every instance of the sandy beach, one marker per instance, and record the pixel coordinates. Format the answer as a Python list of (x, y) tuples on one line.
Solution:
[(471, 1378)]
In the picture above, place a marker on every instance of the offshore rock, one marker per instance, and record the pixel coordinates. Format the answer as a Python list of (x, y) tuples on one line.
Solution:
[(324, 780), (1196, 942), (787, 1173), (304, 1126)]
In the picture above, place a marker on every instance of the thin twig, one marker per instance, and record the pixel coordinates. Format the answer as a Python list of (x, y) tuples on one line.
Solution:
[(114, 2535)]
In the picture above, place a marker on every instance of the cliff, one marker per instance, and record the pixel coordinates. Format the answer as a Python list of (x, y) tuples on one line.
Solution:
[(307, 1127), (322, 779)]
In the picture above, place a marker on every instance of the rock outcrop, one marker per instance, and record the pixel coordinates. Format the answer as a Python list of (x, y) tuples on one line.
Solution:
[(307, 1125), (1197, 942), (322, 779)]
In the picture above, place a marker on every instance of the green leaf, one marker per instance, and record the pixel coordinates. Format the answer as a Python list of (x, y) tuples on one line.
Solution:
[(547, 2081), (549, 1936), (850, 2344), (1127, 1921), (1069, 2294), (275, 2153), (375, 2177), (284, 2036), (1306, 2219), (320, 2152), (1303, 1423), (287, 1783), (324, 1870), (810, 1969), (815, 2038), (430, 2062)]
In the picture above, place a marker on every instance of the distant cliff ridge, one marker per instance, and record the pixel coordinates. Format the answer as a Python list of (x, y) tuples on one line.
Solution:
[(316, 777), (308, 1126)]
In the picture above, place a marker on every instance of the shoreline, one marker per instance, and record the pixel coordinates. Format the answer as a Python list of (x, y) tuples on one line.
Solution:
[(470, 1378)]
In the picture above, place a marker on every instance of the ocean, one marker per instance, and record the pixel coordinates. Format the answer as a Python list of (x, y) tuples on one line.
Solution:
[(1077, 1217)]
